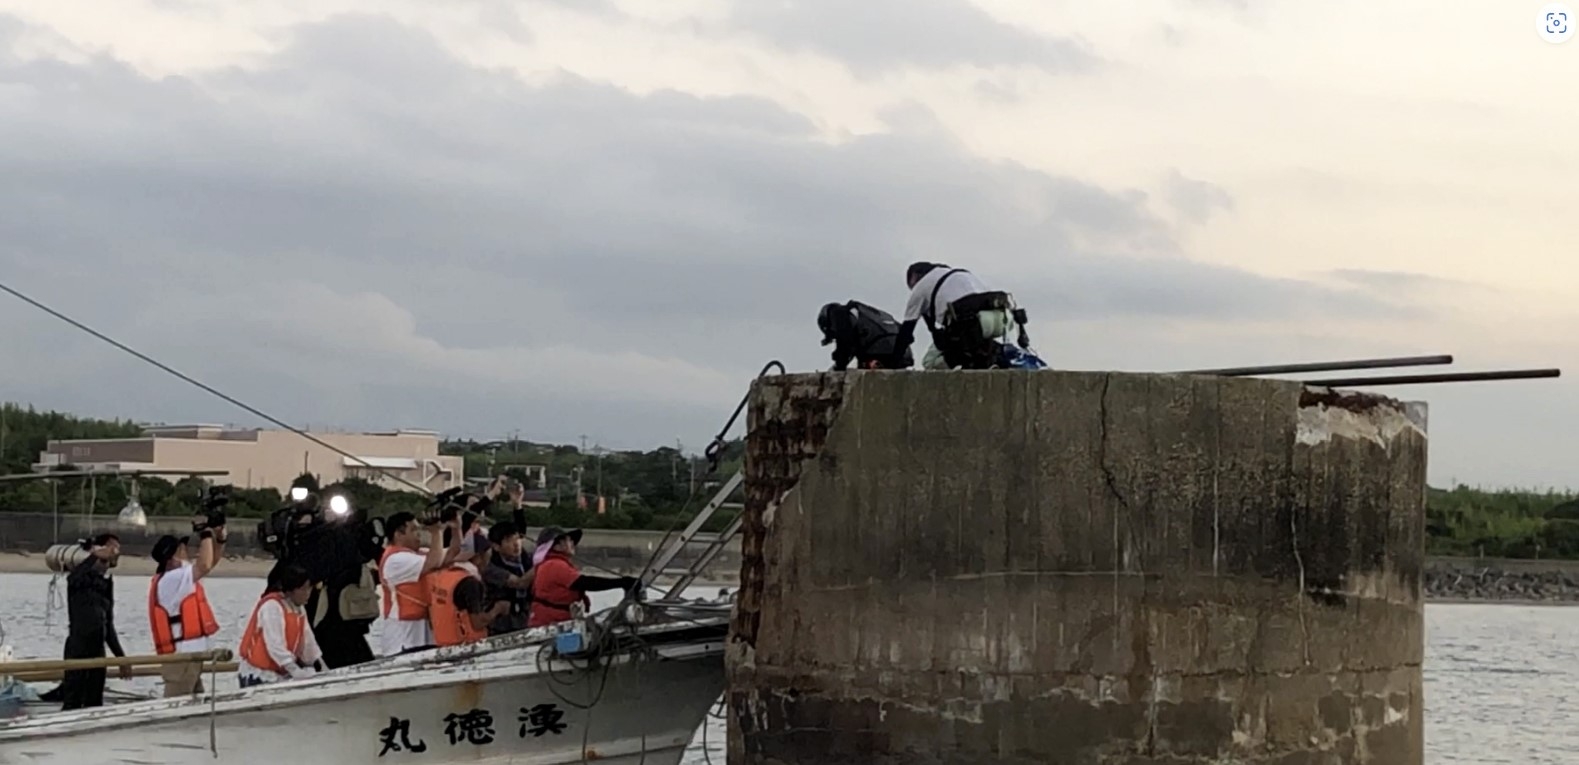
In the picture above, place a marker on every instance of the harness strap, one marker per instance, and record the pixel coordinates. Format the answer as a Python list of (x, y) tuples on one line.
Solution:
[(929, 311)]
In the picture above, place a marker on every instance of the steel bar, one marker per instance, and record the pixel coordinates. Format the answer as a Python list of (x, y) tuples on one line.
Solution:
[(1509, 374), (1324, 366), (45, 665)]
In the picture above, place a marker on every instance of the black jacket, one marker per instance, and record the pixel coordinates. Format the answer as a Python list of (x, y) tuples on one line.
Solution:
[(90, 609), (866, 334)]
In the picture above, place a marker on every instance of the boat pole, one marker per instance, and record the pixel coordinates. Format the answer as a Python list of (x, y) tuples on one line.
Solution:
[(105, 662), (53, 675)]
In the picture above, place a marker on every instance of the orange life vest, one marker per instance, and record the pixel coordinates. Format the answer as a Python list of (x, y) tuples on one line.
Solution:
[(552, 595), (451, 625), (196, 618), (254, 649), (412, 597)]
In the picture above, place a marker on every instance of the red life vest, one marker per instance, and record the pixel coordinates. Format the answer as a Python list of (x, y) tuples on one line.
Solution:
[(552, 595), (412, 597), (451, 625), (254, 649), (196, 618)]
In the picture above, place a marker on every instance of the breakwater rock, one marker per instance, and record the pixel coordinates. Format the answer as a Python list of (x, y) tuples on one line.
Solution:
[(1493, 579)]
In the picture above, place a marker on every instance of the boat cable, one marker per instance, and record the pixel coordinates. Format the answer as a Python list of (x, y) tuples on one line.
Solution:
[(209, 389)]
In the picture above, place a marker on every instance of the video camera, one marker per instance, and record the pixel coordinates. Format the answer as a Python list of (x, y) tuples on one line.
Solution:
[(213, 509)]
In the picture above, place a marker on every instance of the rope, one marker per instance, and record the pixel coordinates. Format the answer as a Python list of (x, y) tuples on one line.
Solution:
[(714, 454), (187, 379)]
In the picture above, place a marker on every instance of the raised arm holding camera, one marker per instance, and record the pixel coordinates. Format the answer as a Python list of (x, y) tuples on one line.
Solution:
[(179, 615)]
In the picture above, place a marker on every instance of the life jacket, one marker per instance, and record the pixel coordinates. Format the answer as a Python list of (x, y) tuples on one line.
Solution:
[(254, 649), (552, 596), (451, 625), (196, 618), (412, 597)]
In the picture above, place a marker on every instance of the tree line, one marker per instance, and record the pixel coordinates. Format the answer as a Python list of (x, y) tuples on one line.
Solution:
[(661, 488)]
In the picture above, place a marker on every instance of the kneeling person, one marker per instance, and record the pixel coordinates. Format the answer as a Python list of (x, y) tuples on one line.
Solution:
[(278, 644), (867, 335)]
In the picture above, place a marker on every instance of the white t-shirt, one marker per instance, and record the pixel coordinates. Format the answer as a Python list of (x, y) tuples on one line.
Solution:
[(959, 285), (174, 587), (271, 619), (397, 635)]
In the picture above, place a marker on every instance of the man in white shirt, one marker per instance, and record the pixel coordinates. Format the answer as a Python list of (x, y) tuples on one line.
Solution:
[(402, 574), (278, 642), (967, 321), (180, 617)]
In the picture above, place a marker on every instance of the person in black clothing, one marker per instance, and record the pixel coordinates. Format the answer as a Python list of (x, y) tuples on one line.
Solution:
[(508, 576), (867, 335), (90, 608)]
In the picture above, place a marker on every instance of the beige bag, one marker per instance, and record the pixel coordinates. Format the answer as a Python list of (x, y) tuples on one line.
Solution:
[(360, 601)]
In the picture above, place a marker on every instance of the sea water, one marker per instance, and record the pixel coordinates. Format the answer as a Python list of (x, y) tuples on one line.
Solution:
[(1501, 681)]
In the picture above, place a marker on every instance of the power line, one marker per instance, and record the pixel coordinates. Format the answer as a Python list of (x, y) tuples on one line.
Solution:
[(185, 378)]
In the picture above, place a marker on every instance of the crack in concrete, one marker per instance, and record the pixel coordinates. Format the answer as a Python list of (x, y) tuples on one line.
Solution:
[(1299, 560)]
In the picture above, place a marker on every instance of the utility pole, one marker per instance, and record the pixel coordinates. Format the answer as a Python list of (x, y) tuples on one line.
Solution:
[(583, 443)]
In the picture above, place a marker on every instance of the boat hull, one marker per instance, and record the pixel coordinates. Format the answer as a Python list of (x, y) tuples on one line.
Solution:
[(506, 706)]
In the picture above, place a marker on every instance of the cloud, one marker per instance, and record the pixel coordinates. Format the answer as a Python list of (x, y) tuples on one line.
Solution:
[(363, 230), (1196, 200), (876, 35)]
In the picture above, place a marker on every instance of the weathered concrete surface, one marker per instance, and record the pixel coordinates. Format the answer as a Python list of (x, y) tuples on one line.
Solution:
[(1083, 568)]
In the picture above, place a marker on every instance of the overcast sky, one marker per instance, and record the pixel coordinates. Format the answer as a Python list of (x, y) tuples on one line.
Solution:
[(601, 217)]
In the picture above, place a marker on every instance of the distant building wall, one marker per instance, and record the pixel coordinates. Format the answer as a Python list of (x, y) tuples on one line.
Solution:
[(257, 459)]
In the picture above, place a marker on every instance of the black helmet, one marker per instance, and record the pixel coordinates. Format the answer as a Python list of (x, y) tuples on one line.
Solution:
[(825, 321)]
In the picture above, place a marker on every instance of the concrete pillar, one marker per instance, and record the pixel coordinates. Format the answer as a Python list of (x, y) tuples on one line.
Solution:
[(1091, 568)]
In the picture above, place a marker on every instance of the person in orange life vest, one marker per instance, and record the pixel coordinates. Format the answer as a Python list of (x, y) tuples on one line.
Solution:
[(278, 643), (459, 612), (402, 573), (178, 610), (558, 584)]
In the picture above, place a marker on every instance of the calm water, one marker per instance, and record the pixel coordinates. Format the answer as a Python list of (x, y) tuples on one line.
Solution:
[(1501, 682)]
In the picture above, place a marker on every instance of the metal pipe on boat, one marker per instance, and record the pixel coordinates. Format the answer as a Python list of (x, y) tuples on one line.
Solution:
[(1324, 366), (45, 665), (55, 675)]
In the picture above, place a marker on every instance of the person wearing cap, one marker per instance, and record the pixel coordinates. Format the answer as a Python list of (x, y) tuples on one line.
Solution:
[(278, 643), (558, 585), (179, 615), (458, 609)]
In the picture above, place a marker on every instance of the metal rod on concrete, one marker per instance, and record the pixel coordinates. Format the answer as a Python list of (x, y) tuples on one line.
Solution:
[(1510, 374), (1325, 366)]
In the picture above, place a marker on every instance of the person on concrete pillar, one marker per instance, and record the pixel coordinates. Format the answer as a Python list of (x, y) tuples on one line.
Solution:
[(278, 643), (178, 611), (864, 334), (559, 585), (90, 609), (968, 322)]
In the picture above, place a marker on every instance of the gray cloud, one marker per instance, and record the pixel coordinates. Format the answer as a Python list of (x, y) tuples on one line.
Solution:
[(875, 35), (368, 232), (1195, 199), (1399, 281)]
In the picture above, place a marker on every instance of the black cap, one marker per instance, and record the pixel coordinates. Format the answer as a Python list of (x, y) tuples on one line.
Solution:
[(551, 534), (165, 548)]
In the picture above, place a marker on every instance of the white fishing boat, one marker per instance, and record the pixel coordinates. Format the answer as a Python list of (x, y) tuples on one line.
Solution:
[(636, 693)]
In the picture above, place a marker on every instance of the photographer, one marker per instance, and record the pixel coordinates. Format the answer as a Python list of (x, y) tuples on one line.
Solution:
[(336, 552), (178, 612)]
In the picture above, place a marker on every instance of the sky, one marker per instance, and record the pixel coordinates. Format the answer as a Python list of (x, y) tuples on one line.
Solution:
[(602, 217)]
